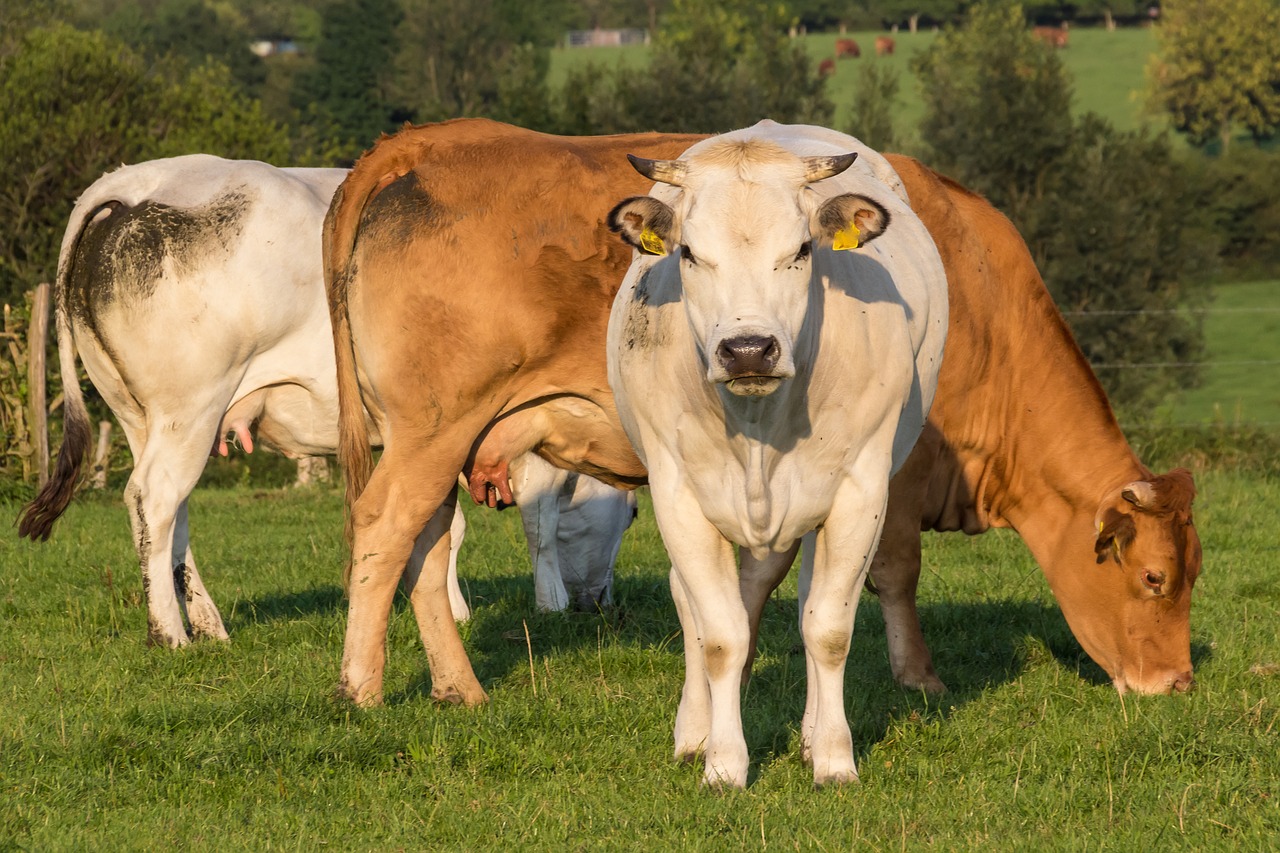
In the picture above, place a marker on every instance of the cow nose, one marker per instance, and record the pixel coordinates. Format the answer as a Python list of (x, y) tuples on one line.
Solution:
[(749, 355), (1184, 682)]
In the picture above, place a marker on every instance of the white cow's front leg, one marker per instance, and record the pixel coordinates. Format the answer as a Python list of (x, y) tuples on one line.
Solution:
[(201, 612), (831, 583), (704, 570), (693, 717), (457, 532), (536, 485)]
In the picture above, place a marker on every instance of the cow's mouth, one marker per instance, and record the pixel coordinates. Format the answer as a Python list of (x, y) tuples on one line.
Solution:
[(753, 386)]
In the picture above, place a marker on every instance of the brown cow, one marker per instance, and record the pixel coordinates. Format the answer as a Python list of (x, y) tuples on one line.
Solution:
[(884, 46), (826, 67), (1055, 37), (847, 49), (458, 340), (470, 275), (1021, 435)]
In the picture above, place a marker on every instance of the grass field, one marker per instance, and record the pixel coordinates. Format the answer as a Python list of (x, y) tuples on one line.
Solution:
[(1107, 70), (108, 744), (1241, 383)]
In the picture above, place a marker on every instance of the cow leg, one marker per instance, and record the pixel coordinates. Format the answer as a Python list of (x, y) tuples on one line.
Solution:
[(693, 717), (164, 474), (197, 605), (536, 485), (712, 612), (417, 560), (895, 571), (830, 585), (402, 496), (757, 580)]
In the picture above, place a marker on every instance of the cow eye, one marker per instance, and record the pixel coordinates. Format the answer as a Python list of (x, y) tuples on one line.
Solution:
[(806, 249), (1152, 580), (687, 255)]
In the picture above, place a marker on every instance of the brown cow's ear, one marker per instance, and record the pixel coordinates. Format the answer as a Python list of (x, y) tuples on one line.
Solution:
[(645, 223), (1115, 531), (848, 221)]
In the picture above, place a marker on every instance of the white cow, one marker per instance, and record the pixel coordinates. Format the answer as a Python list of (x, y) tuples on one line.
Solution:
[(774, 351), (193, 290)]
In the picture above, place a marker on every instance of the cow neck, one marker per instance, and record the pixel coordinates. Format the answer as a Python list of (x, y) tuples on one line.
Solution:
[(1055, 449)]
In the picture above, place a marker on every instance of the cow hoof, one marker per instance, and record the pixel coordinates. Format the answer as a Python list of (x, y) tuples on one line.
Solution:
[(452, 695), (362, 698), (843, 777), (157, 636), (928, 682)]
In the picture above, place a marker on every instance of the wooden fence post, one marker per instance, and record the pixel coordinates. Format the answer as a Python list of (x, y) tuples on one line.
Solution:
[(37, 337)]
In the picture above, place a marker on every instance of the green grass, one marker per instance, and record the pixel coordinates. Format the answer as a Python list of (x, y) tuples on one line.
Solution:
[(108, 744), (1241, 384), (1107, 70)]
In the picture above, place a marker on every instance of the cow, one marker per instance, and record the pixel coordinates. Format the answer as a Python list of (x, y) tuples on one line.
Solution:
[(470, 273), (826, 67), (847, 49), (884, 45), (774, 351), (1055, 37), (1119, 622), (1021, 435), (193, 290)]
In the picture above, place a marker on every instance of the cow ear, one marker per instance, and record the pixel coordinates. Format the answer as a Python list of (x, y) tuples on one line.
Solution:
[(1115, 531), (849, 221), (645, 223)]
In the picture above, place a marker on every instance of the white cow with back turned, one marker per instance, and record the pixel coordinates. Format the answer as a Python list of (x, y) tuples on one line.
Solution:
[(774, 352), (193, 290)]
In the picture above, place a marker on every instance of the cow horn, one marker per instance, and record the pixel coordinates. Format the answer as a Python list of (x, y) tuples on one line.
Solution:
[(817, 168), (665, 171), (1140, 493)]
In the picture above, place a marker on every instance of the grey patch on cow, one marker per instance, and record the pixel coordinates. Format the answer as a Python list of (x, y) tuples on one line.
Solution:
[(181, 582), (124, 254), (401, 211)]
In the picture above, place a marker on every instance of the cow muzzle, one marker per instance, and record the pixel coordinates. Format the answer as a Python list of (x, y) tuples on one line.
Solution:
[(750, 365)]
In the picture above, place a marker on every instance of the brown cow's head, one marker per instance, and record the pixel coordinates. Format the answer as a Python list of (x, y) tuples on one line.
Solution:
[(1133, 616)]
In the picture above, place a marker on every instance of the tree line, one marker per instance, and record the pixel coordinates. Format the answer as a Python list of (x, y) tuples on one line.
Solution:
[(1118, 222)]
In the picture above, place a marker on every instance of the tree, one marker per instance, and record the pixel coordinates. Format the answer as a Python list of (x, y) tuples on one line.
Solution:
[(75, 105), (715, 67), (1104, 213), (1218, 69), (348, 84), (997, 105), (873, 106)]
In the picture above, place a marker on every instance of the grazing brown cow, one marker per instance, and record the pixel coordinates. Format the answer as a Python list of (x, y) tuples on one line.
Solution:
[(1055, 37), (884, 45), (826, 67), (470, 275), (847, 49), (1021, 435)]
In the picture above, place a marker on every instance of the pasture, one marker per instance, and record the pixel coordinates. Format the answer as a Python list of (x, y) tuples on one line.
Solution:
[(1106, 68), (109, 744)]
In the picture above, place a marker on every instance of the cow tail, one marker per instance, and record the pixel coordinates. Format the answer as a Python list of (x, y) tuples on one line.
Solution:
[(37, 518), (354, 454)]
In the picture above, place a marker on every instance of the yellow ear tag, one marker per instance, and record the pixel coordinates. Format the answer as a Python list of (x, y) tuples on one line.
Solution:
[(651, 242), (846, 238)]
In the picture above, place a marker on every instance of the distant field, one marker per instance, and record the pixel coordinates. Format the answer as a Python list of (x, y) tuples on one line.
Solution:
[(1107, 69), (1241, 383)]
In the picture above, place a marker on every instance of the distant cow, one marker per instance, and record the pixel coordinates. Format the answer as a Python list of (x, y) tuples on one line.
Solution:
[(774, 350), (847, 49), (884, 46), (826, 67), (193, 290), (1055, 37), (470, 273)]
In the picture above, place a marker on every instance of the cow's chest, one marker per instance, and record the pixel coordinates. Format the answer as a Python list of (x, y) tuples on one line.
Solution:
[(765, 494)]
